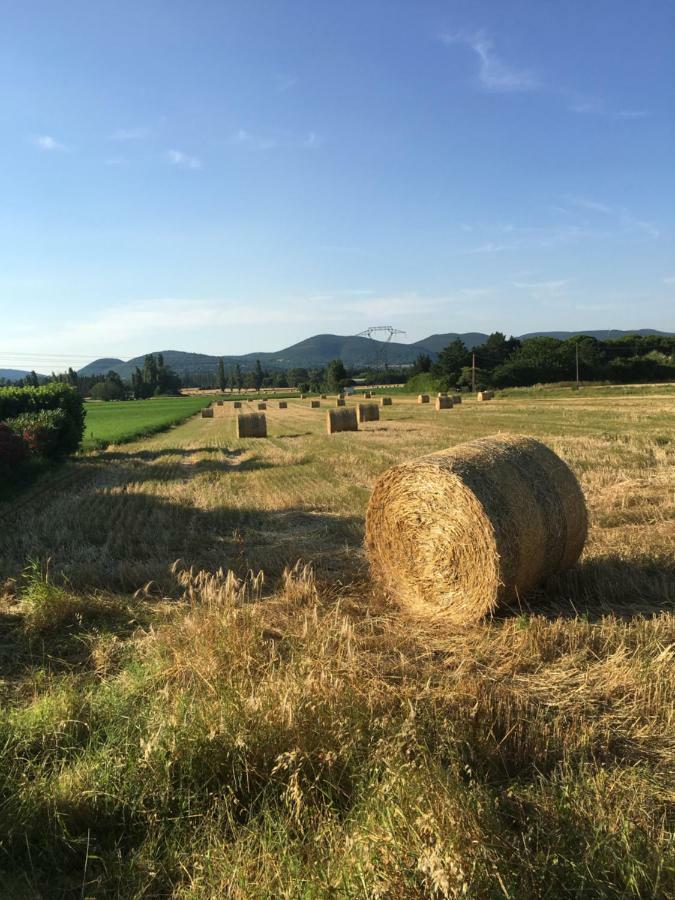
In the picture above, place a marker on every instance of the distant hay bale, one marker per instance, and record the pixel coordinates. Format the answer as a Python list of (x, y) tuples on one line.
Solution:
[(341, 420), (303, 396), (237, 404), (283, 404), (456, 398), (441, 394), (219, 402), (323, 396), (385, 401), (251, 425), (367, 395), (444, 402), (314, 404), (207, 412), (484, 395), (453, 534), (369, 412), (340, 401), (422, 398), (341, 395), (262, 406)]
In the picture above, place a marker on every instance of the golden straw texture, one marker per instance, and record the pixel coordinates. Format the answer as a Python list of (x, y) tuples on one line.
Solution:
[(341, 420), (251, 425), (453, 534), (369, 412)]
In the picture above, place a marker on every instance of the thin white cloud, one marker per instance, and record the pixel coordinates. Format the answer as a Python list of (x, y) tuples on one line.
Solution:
[(595, 106), (183, 160), (669, 280), (498, 76), (493, 73), (313, 141), (253, 141), (535, 237), (548, 287), (49, 144), (625, 220), (283, 83), (633, 113), (130, 134)]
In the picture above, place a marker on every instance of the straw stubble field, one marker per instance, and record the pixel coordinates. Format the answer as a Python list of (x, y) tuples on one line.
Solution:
[(170, 729)]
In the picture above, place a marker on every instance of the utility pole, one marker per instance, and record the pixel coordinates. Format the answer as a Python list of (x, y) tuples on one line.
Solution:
[(576, 347), (473, 373)]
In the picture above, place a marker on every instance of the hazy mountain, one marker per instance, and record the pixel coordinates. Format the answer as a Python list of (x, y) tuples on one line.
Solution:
[(319, 350), (436, 342), (314, 352), (608, 335), (14, 374), (101, 366)]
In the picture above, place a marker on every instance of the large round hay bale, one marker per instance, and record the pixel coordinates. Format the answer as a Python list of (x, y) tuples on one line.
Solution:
[(453, 534)]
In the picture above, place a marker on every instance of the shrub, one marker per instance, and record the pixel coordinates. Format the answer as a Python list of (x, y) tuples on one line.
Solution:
[(41, 431), (424, 383), (13, 450), (108, 390), (56, 396)]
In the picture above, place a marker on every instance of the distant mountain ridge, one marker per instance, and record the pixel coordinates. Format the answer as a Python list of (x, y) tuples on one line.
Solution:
[(319, 350), (15, 374)]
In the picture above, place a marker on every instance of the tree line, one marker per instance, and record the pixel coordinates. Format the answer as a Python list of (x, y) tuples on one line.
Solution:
[(503, 362), (500, 362)]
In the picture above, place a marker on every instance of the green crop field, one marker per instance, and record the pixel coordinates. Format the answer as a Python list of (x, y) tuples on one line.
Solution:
[(205, 695), (120, 422)]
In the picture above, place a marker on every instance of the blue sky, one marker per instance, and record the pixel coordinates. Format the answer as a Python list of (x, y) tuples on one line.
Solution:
[(234, 176)]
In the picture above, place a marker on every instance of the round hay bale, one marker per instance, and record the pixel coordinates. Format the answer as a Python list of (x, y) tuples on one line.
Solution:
[(453, 534)]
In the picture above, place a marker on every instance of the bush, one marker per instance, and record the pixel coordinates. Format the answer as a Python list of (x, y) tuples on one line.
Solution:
[(423, 383), (13, 450), (15, 402), (41, 431), (108, 390)]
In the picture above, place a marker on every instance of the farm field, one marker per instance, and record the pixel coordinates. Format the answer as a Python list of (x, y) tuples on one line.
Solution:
[(118, 422), (177, 724)]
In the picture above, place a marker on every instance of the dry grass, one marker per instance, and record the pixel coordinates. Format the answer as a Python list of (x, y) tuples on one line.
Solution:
[(193, 731)]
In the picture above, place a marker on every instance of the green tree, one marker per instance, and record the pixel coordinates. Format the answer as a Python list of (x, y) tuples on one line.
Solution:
[(451, 360), (297, 377), (421, 364), (336, 375), (495, 350), (258, 375), (222, 383)]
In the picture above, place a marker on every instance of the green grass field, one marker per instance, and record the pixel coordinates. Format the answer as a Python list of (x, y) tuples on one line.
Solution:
[(175, 724), (118, 423)]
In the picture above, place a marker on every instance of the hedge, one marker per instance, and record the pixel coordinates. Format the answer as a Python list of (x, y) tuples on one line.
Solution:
[(41, 431), (67, 428)]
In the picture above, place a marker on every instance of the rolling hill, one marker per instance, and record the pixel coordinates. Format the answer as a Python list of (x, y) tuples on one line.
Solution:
[(15, 374), (319, 350)]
